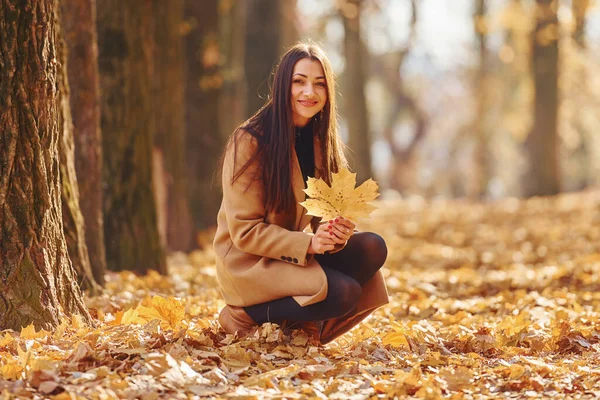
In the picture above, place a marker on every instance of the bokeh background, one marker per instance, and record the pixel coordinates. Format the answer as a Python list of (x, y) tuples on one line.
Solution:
[(437, 97)]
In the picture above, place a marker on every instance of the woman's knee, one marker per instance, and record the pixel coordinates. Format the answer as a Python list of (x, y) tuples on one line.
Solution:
[(374, 248)]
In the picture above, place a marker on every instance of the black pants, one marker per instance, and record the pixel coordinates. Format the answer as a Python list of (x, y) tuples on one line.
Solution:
[(347, 271)]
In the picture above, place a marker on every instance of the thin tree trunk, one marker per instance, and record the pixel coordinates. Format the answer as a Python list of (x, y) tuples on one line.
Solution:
[(170, 119), (542, 142), (355, 106), (482, 175), (37, 281), (232, 98), (204, 142), (72, 218), (288, 25), (263, 49), (79, 22), (125, 41), (579, 10)]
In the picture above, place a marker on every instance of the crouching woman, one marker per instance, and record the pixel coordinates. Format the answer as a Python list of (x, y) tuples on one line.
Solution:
[(275, 263)]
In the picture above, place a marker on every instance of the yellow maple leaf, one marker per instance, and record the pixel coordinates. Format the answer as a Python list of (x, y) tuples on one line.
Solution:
[(11, 371), (341, 199), (29, 333), (168, 310), (6, 340)]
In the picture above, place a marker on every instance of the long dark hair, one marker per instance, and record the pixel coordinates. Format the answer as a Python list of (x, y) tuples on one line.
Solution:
[(273, 128)]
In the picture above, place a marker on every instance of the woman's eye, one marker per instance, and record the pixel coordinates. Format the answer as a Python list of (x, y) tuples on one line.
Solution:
[(321, 84), (298, 81)]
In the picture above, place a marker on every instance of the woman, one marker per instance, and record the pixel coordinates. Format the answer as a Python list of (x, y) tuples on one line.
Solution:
[(269, 267)]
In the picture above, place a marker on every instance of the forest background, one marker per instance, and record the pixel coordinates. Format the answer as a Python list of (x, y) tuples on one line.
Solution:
[(114, 115)]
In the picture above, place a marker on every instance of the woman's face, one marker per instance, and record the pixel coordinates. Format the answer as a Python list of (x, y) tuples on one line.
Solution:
[(309, 90)]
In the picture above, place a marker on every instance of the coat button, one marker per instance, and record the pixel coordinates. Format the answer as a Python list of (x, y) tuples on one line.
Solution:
[(296, 260), (289, 259), (283, 258)]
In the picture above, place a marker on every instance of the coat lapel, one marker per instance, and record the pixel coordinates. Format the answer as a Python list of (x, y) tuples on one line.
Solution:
[(297, 187), (298, 183)]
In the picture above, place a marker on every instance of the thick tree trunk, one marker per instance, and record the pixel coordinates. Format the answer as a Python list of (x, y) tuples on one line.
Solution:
[(73, 222), (542, 142), (169, 112), (125, 41), (263, 49), (37, 282), (79, 22), (355, 106), (204, 142)]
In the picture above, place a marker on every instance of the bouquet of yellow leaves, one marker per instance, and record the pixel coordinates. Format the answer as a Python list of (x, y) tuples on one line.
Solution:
[(341, 199)]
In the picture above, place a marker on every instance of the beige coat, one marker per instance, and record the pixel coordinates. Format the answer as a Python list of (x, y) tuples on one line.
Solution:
[(263, 257)]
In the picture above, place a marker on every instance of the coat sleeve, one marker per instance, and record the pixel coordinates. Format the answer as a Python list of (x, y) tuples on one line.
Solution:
[(245, 212)]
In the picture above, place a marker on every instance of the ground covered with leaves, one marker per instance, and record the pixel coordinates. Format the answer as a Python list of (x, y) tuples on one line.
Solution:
[(487, 301)]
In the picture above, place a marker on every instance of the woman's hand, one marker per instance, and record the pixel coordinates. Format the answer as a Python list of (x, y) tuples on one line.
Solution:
[(322, 241), (341, 229)]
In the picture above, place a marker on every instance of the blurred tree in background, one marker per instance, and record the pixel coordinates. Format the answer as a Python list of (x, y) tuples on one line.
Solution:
[(126, 43), (73, 223), (203, 88), (354, 102), (542, 142), (79, 23), (171, 188)]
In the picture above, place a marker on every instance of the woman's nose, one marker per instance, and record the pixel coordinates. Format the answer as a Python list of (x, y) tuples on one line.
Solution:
[(309, 90)]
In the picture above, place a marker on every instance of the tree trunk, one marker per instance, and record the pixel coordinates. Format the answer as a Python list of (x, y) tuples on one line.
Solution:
[(542, 177), (232, 35), (79, 22), (579, 10), (205, 142), (125, 41), (289, 24), (73, 221), (263, 49), (169, 112), (482, 176), (37, 284), (355, 106)]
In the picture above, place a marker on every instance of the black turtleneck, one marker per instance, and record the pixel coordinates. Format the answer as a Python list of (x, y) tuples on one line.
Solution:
[(305, 151)]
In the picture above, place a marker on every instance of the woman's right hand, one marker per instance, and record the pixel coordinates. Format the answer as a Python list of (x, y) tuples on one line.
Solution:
[(322, 241)]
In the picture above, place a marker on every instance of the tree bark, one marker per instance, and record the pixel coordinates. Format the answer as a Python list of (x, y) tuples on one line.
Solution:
[(73, 221), (355, 106), (170, 120), (542, 177), (263, 49), (125, 41), (79, 22), (205, 141), (37, 282)]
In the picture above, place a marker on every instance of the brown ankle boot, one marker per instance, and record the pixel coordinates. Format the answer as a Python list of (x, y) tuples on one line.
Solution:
[(234, 319)]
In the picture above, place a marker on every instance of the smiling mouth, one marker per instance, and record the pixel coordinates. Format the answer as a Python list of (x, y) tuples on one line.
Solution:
[(307, 103)]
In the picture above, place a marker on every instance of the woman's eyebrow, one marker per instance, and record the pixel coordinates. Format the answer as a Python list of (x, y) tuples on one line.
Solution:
[(304, 76)]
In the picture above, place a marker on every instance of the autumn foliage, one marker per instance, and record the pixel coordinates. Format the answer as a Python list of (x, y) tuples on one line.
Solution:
[(487, 301)]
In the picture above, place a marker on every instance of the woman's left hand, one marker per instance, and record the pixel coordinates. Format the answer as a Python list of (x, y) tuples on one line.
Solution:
[(341, 229)]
